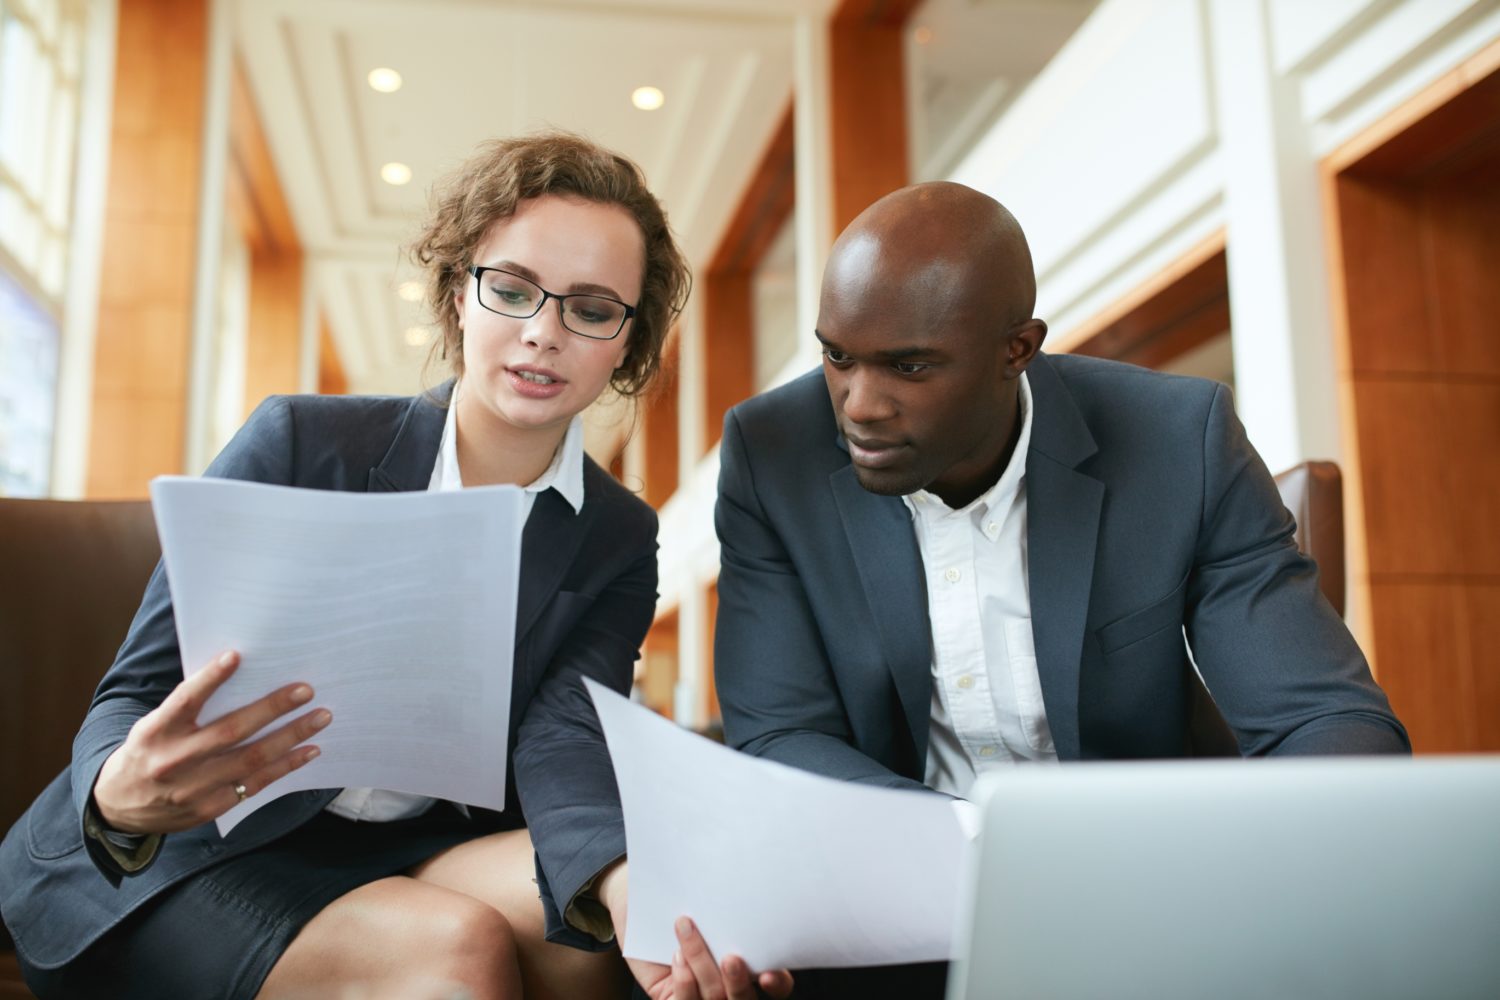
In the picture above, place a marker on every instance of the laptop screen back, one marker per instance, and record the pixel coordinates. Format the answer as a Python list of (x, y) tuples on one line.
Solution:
[(1311, 878)]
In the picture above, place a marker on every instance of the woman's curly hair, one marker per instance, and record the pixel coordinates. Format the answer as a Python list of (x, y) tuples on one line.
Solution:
[(503, 173)]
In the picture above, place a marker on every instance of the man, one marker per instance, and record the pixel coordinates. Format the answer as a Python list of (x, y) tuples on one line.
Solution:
[(946, 552)]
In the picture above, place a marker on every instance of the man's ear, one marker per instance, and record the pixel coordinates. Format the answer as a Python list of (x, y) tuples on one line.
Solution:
[(1023, 344)]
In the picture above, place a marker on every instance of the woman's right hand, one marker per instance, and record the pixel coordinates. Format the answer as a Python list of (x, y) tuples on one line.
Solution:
[(171, 774)]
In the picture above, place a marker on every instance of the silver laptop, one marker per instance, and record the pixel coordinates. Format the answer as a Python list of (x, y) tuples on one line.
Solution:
[(1325, 877)]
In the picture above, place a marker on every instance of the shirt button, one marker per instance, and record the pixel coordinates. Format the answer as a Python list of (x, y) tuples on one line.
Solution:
[(966, 681), (986, 751), (991, 528), (952, 574)]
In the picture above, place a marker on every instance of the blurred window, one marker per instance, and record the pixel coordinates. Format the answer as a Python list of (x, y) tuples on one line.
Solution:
[(28, 376), (41, 55)]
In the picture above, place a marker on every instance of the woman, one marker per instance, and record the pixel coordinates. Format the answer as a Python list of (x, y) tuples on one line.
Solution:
[(553, 275)]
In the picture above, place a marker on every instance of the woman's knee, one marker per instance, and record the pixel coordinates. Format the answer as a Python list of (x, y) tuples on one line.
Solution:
[(469, 940), (400, 929)]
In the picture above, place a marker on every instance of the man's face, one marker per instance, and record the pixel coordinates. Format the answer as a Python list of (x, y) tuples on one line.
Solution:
[(921, 373)]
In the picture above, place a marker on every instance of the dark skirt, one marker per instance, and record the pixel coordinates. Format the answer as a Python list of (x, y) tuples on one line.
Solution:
[(219, 933)]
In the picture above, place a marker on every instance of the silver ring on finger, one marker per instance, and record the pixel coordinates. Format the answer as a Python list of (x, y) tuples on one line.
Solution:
[(240, 791)]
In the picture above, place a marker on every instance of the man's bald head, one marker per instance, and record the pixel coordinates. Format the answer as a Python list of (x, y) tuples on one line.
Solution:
[(926, 326), (951, 246)]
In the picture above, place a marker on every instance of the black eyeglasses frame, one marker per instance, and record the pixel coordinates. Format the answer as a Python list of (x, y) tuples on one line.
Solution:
[(478, 274)]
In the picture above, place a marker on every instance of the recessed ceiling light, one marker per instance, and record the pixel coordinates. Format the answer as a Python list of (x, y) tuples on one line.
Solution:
[(647, 98), (384, 79), (922, 35), (411, 291), (395, 174), (416, 336)]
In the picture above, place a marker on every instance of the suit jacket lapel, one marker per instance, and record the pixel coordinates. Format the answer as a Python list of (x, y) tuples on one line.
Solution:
[(549, 544), (890, 570), (407, 465), (1063, 507)]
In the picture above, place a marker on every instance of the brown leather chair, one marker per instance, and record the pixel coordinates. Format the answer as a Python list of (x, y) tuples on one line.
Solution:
[(71, 577), (1314, 493)]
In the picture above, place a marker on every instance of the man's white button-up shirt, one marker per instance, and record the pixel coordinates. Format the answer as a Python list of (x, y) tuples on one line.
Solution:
[(987, 706)]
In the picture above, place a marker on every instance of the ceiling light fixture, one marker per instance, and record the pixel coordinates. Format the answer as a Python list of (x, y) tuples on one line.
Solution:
[(647, 98), (416, 336), (395, 174), (411, 291), (384, 79)]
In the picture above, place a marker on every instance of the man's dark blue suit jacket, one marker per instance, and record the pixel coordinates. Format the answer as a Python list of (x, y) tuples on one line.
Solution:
[(1149, 513), (587, 597)]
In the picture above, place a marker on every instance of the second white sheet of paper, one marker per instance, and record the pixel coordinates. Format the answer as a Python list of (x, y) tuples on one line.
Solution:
[(782, 867)]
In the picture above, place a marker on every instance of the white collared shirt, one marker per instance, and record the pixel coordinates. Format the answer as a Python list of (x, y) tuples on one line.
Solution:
[(987, 706), (565, 474)]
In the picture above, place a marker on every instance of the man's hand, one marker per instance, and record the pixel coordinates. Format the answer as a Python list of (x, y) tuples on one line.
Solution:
[(693, 974), (696, 976), (171, 774)]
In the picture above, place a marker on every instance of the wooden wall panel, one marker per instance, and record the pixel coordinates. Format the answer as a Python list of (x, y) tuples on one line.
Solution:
[(1421, 630), (1460, 268), (137, 427), (1407, 477), (1482, 607), (1382, 252), (1417, 222)]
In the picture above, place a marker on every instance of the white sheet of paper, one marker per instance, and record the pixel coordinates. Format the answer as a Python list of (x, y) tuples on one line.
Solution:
[(785, 868), (398, 608)]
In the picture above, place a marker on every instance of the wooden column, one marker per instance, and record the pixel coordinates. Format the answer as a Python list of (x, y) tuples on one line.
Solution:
[(658, 668), (331, 378), (146, 278), (659, 428), (272, 353), (729, 357), (868, 90), (258, 206), (712, 714), (729, 319)]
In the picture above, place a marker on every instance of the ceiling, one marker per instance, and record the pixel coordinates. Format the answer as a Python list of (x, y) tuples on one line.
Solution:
[(477, 69)]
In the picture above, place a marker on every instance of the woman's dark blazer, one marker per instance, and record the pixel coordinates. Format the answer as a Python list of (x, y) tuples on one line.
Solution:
[(587, 596)]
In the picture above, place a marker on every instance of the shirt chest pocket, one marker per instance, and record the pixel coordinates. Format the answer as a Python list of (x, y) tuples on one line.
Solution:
[(1026, 683)]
